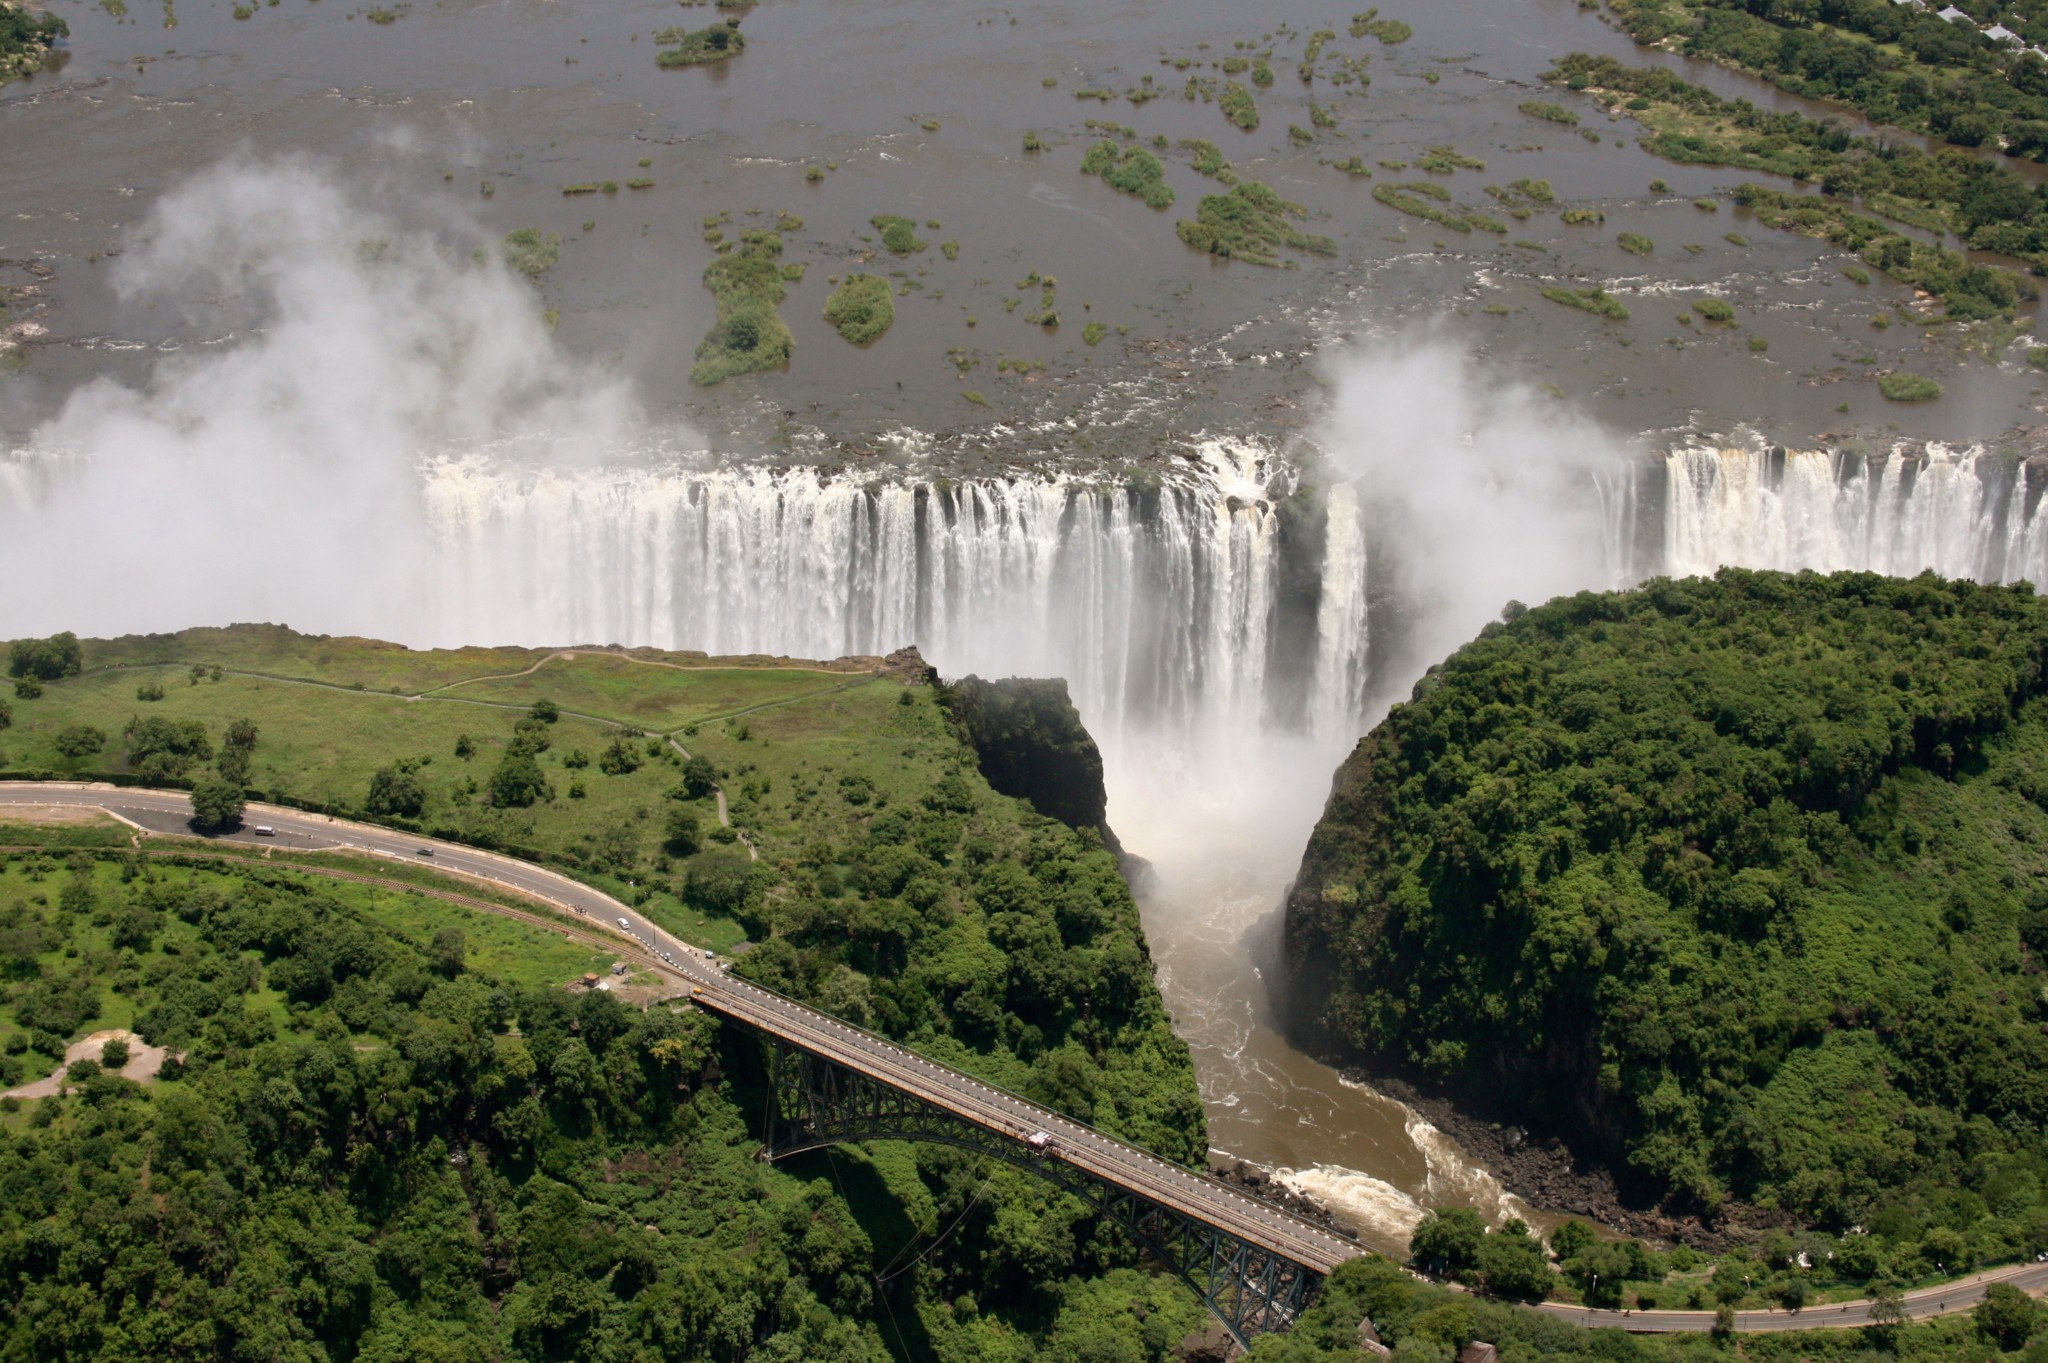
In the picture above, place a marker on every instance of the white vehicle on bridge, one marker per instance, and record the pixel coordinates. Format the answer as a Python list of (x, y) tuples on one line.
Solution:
[(1041, 1143)]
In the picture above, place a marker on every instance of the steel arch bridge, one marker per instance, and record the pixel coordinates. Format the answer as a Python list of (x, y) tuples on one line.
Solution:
[(815, 1102)]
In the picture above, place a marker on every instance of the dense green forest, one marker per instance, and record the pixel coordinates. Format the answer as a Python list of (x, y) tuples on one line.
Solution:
[(1741, 884), (1984, 204), (1896, 63), (374, 1147)]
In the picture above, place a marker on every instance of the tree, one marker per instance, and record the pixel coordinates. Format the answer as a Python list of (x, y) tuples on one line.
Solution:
[(1887, 1308), (49, 659), (717, 881), (241, 734), (397, 790), (1447, 1241), (114, 1054), (518, 782), (27, 688), (2006, 1316), (6, 714), (1724, 1321), (1570, 1238), (463, 746), (545, 710), (700, 778), (1513, 1265), (618, 759), (216, 804), (1600, 1269), (680, 836), (447, 952)]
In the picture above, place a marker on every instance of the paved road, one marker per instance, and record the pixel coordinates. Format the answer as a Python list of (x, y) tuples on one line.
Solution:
[(1206, 1198), (1947, 1299)]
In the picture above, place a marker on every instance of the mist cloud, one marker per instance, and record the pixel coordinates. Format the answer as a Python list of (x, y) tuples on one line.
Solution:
[(1478, 489), (272, 473)]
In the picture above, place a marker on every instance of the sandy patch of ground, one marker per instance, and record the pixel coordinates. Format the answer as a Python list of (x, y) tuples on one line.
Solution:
[(143, 1063)]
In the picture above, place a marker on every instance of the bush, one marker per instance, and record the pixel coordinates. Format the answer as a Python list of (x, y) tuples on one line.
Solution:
[(150, 690), (114, 1054), (1714, 310)]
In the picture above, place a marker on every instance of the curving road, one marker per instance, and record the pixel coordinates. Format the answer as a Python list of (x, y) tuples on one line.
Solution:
[(1205, 1198), (1947, 1299)]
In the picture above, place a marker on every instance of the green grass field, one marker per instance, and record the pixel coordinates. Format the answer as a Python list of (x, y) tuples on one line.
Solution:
[(807, 753)]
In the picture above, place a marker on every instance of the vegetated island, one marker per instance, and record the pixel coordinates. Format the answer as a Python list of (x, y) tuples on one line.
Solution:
[(1934, 69), (861, 308), (25, 39), (387, 1130), (1738, 884), (748, 287), (699, 47), (1988, 206)]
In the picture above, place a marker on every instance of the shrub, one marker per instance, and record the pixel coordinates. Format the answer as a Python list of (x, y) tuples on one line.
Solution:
[(1635, 243), (114, 1054), (1714, 310)]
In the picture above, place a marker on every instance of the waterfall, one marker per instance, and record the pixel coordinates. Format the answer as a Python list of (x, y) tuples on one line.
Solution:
[(1962, 513), (1162, 601)]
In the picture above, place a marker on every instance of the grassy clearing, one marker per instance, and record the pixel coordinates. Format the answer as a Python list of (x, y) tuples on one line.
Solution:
[(701, 47), (861, 308), (1595, 300), (1250, 223), (750, 334), (1133, 170)]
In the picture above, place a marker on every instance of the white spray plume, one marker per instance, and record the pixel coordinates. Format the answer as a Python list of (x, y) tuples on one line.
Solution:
[(272, 474), (1481, 489)]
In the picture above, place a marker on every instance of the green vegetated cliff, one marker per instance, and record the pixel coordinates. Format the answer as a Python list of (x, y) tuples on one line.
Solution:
[(1032, 745), (380, 1147), (1741, 884)]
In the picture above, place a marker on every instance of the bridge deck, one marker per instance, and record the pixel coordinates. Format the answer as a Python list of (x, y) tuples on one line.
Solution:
[(1102, 1157)]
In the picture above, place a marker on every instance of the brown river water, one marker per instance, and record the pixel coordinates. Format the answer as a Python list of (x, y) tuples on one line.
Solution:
[(468, 117)]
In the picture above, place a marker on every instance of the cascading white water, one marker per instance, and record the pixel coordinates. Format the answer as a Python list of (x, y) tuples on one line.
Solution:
[(1961, 513), (1156, 604)]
